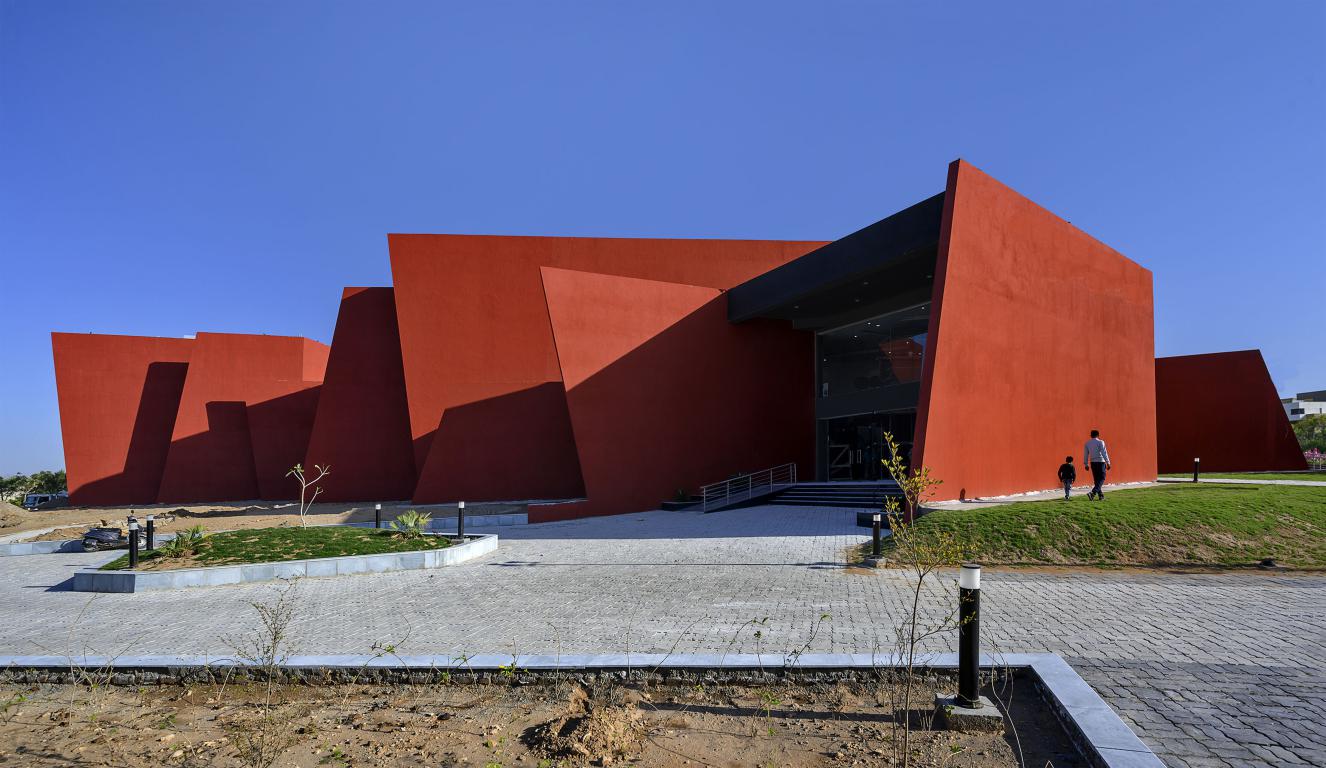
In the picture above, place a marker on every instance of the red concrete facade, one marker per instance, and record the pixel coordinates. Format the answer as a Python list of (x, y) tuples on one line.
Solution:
[(362, 428), (1038, 334), (603, 374), (1222, 408), (664, 393), (487, 407), (244, 418), (118, 397)]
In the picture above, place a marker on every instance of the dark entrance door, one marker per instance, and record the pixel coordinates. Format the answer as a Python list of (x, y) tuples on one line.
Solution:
[(853, 446)]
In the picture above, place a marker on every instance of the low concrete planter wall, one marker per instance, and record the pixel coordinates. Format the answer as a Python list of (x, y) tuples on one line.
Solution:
[(40, 547), (142, 581)]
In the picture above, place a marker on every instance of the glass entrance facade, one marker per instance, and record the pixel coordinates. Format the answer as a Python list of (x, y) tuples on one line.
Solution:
[(868, 379)]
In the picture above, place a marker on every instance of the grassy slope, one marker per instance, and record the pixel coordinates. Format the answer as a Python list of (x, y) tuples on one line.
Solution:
[(1165, 525), (1316, 477), (267, 545)]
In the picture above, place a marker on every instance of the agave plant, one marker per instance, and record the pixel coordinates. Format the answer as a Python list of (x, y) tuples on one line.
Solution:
[(186, 542), (410, 524)]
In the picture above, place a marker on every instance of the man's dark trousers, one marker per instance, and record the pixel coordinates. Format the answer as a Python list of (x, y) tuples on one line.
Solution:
[(1098, 477)]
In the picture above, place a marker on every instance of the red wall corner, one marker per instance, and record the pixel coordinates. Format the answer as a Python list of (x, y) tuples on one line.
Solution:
[(362, 426), (488, 413), (118, 396), (1224, 409), (1038, 334), (244, 418), (665, 393)]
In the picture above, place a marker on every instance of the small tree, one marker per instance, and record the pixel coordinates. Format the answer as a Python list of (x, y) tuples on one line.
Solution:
[(921, 552), (305, 499)]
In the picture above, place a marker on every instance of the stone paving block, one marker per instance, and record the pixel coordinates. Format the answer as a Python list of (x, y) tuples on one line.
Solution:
[(1223, 653)]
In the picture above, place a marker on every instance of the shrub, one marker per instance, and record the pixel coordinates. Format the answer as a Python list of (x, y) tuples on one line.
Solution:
[(410, 524), (186, 542)]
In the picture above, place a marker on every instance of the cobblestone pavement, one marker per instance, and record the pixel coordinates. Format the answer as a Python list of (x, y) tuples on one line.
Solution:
[(1210, 669)]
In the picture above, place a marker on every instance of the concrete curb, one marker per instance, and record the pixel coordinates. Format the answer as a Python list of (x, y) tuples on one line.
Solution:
[(1103, 738), (95, 580), (14, 546)]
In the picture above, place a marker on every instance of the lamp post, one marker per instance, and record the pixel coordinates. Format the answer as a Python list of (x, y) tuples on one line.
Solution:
[(460, 520), (377, 515), (1196, 468), (969, 636), (133, 543), (151, 533), (874, 545)]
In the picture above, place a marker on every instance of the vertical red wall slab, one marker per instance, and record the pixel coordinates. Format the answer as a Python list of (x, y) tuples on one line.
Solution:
[(118, 397), (665, 393), (1222, 408), (244, 418), (487, 410), (1038, 334), (362, 428)]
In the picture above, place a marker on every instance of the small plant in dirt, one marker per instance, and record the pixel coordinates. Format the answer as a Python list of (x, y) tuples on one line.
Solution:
[(185, 543), (410, 524), (306, 482), (921, 552), (260, 738)]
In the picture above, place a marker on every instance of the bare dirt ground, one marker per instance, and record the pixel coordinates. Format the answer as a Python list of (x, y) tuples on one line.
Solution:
[(496, 726), (217, 517)]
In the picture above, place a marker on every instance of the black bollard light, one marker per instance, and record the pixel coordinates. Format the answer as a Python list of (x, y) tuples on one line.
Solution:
[(460, 520), (133, 543), (874, 546), (151, 533), (377, 515), (969, 636), (1196, 468)]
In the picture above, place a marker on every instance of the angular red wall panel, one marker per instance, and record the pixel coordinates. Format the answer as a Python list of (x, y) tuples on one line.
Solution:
[(362, 429), (1038, 334), (665, 393), (244, 418), (481, 372), (1222, 408), (118, 397)]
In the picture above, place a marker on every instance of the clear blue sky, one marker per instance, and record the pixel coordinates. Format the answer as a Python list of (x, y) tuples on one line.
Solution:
[(168, 167)]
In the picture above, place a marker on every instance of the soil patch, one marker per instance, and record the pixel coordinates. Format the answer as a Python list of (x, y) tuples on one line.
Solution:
[(785, 724)]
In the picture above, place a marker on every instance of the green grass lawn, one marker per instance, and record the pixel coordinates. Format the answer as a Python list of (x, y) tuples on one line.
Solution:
[(270, 545), (1189, 525), (1319, 477)]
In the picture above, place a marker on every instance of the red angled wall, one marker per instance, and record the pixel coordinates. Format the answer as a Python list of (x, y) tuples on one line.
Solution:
[(487, 407), (1038, 334), (244, 418), (362, 428), (664, 393), (1222, 408), (118, 396)]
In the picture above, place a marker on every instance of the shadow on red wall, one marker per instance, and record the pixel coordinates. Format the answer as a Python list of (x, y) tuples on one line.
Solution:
[(1222, 408), (149, 443), (692, 404), (527, 451), (362, 427)]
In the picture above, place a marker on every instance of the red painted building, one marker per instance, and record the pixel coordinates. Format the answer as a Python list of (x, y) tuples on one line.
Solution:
[(602, 375), (1223, 409)]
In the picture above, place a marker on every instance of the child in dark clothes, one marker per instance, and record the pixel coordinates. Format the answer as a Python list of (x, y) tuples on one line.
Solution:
[(1067, 474)]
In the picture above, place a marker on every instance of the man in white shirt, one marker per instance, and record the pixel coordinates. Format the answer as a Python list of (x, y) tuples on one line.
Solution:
[(1096, 459)]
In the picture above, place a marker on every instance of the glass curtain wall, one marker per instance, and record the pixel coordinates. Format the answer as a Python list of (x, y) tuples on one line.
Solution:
[(873, 354), (868, 378)]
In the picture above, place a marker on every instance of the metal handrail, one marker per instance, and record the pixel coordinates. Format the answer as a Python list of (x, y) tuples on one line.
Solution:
[(747, 486)]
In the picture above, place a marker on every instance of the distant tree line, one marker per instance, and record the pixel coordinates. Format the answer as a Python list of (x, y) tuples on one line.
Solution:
[(14, 487), (1311, 431)]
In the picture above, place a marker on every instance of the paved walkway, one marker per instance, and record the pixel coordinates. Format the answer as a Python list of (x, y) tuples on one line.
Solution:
[(1222, 669), (1241, 481)]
